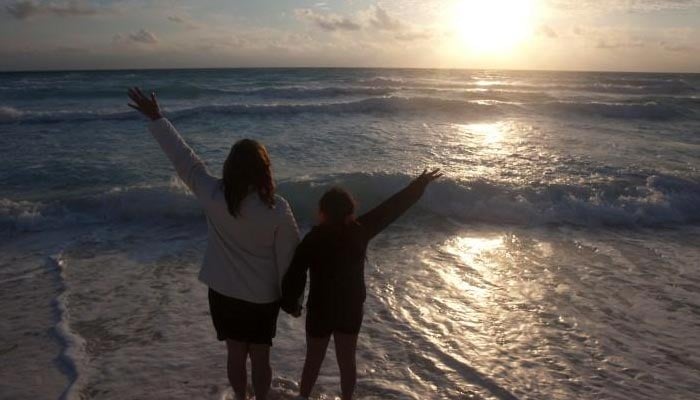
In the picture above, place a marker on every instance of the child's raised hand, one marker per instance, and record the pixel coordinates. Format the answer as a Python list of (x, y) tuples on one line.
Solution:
[(426, 177)]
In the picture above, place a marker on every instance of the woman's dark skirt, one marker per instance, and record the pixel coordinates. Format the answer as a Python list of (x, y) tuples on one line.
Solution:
[(243, 321)]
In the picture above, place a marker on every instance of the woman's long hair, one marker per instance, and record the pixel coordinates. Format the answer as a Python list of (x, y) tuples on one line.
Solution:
[(247, 169)]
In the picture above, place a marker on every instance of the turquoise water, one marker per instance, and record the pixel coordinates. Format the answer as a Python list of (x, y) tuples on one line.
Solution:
[(557, 259)]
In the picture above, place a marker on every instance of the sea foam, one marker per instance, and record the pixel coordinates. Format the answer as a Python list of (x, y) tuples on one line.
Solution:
[(656, 200), (427, 106)]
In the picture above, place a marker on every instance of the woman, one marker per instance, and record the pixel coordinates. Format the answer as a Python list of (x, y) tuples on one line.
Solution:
[(252, 235)]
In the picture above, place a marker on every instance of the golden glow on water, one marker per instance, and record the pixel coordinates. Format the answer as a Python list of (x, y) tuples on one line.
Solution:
[(489, 82), (469, 249), (489, 133), (478, 149), (473, 252)]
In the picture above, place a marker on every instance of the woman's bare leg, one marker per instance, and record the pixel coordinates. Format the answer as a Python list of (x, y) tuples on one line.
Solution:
[(237, 374), (315, 352), (261, 370), (345, 347)]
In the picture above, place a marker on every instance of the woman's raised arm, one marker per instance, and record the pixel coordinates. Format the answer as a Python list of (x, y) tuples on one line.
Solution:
[(190, 168)]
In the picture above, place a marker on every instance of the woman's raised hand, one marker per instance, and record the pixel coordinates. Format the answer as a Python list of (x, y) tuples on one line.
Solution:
[(145, 105), (426, 177)]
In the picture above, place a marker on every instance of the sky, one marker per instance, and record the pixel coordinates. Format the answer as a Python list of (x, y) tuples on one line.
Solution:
[(600, 35)]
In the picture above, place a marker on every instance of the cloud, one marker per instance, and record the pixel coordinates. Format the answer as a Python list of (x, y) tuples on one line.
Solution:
[(629, 39), (327, 21), (547, 31), (607, 44), (372, 19), (141, 37), (677, 47), (623, 5), (144, 36), (381, 20), (183, 21), (413, 36), (27, 9), (176, 19)]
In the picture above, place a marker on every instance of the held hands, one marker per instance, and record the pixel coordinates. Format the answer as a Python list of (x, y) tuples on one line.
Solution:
[(293, 310), (427, 177), (145, 105), (297, 313)]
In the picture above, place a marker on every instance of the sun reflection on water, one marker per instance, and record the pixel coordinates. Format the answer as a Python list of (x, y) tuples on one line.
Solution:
[(473, 252), (489, 133), (494, 150), (469, 249)]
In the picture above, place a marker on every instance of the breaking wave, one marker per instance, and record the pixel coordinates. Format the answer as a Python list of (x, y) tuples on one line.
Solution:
[(652, 201), (391, 105), (606, 86), (9, 114), (186, 91)]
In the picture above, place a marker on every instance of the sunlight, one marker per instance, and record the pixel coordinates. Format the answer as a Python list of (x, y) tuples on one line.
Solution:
[(493, 26), (475, 253), (469, 249), (490, 141), (489, 133)]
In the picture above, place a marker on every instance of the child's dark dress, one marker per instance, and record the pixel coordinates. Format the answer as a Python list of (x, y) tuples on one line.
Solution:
[(335, 255)]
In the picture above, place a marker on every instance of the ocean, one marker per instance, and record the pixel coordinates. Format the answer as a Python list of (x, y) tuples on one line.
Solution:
[(557, 259)]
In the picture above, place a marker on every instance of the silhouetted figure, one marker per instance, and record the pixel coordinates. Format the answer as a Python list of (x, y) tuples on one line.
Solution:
[(334, 252)]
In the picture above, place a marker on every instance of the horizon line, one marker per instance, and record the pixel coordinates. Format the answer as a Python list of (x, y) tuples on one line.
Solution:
[(9, 71)]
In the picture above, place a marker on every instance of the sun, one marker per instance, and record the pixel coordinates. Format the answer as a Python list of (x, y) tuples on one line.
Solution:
[(493, 26)]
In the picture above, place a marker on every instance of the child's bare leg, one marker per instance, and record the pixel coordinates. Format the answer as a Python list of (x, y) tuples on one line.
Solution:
[(345, 347), (315, 352), (237, 374), (262, 373)]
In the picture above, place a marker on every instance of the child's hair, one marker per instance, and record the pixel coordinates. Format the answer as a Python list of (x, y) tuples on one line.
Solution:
[(337, 204)]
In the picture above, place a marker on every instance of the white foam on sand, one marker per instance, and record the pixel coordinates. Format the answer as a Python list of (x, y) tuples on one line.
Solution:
[(72, 356)]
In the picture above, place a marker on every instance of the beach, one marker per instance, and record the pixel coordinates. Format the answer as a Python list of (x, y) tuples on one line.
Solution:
[(557, 259)]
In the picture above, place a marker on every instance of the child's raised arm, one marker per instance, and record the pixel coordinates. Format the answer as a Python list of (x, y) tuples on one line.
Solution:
[(387, 212)]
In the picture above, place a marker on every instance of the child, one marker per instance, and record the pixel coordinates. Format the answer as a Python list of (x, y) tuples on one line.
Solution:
[(334, 251)]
